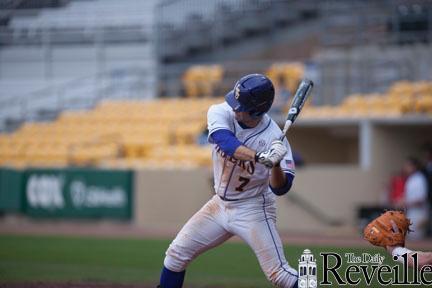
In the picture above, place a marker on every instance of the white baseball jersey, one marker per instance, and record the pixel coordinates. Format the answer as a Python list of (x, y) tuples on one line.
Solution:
[(236, 179), (252, 218), (416, 191)]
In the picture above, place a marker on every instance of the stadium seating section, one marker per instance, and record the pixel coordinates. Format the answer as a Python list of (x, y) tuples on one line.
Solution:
[(160, 134), (400, 99), (205, 80), (165, 133)]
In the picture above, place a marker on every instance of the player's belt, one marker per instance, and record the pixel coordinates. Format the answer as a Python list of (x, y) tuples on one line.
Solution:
[(226, 199)]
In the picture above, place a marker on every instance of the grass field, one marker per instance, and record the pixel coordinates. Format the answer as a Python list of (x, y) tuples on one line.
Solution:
[(61, 259)]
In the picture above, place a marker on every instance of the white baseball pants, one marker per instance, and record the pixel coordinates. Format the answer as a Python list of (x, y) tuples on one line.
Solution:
[(253, 220)]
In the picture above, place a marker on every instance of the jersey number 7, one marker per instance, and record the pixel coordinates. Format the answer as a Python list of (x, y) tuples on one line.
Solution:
[(244, 181)]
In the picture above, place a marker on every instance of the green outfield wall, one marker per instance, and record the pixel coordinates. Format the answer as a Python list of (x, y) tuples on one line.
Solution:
[(11, 190), (67, 193)]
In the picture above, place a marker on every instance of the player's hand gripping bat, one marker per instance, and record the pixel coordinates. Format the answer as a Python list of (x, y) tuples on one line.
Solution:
[(297, 103)]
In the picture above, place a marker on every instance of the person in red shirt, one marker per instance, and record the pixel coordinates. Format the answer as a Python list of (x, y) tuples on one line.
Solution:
[(397, 190)]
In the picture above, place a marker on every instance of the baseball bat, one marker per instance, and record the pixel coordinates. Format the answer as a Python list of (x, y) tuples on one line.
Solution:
[(297, 103)]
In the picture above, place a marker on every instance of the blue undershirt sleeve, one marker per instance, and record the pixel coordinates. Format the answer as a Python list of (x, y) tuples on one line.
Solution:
[(284, 189), (226, 140)]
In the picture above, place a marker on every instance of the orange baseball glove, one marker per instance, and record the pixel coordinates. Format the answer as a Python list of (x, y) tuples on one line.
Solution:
[(389, 229)]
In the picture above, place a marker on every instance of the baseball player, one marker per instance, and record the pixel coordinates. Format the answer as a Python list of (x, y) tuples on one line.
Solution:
[(250, 168)]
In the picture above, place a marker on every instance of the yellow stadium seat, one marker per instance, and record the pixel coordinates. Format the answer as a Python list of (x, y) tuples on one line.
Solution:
[(202, 80)]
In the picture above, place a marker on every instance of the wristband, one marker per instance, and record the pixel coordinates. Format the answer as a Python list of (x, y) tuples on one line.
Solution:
[(398, 252)]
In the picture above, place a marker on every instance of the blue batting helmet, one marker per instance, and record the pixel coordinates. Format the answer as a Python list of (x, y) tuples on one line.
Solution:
[(253, 93)]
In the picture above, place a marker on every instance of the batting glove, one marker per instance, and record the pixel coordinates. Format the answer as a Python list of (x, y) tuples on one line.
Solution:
[(273, 156)]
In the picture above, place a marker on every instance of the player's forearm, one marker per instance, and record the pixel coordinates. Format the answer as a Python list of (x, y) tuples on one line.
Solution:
[(244, 153), (277, 178), (424, 258), (227, 141), (229, 144)]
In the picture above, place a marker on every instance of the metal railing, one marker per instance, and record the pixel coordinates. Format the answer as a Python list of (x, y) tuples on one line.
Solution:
[(188, 27), (82, 93), (78, 35)]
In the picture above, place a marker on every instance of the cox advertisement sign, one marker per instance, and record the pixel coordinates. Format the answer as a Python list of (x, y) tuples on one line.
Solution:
[(79, 193)]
